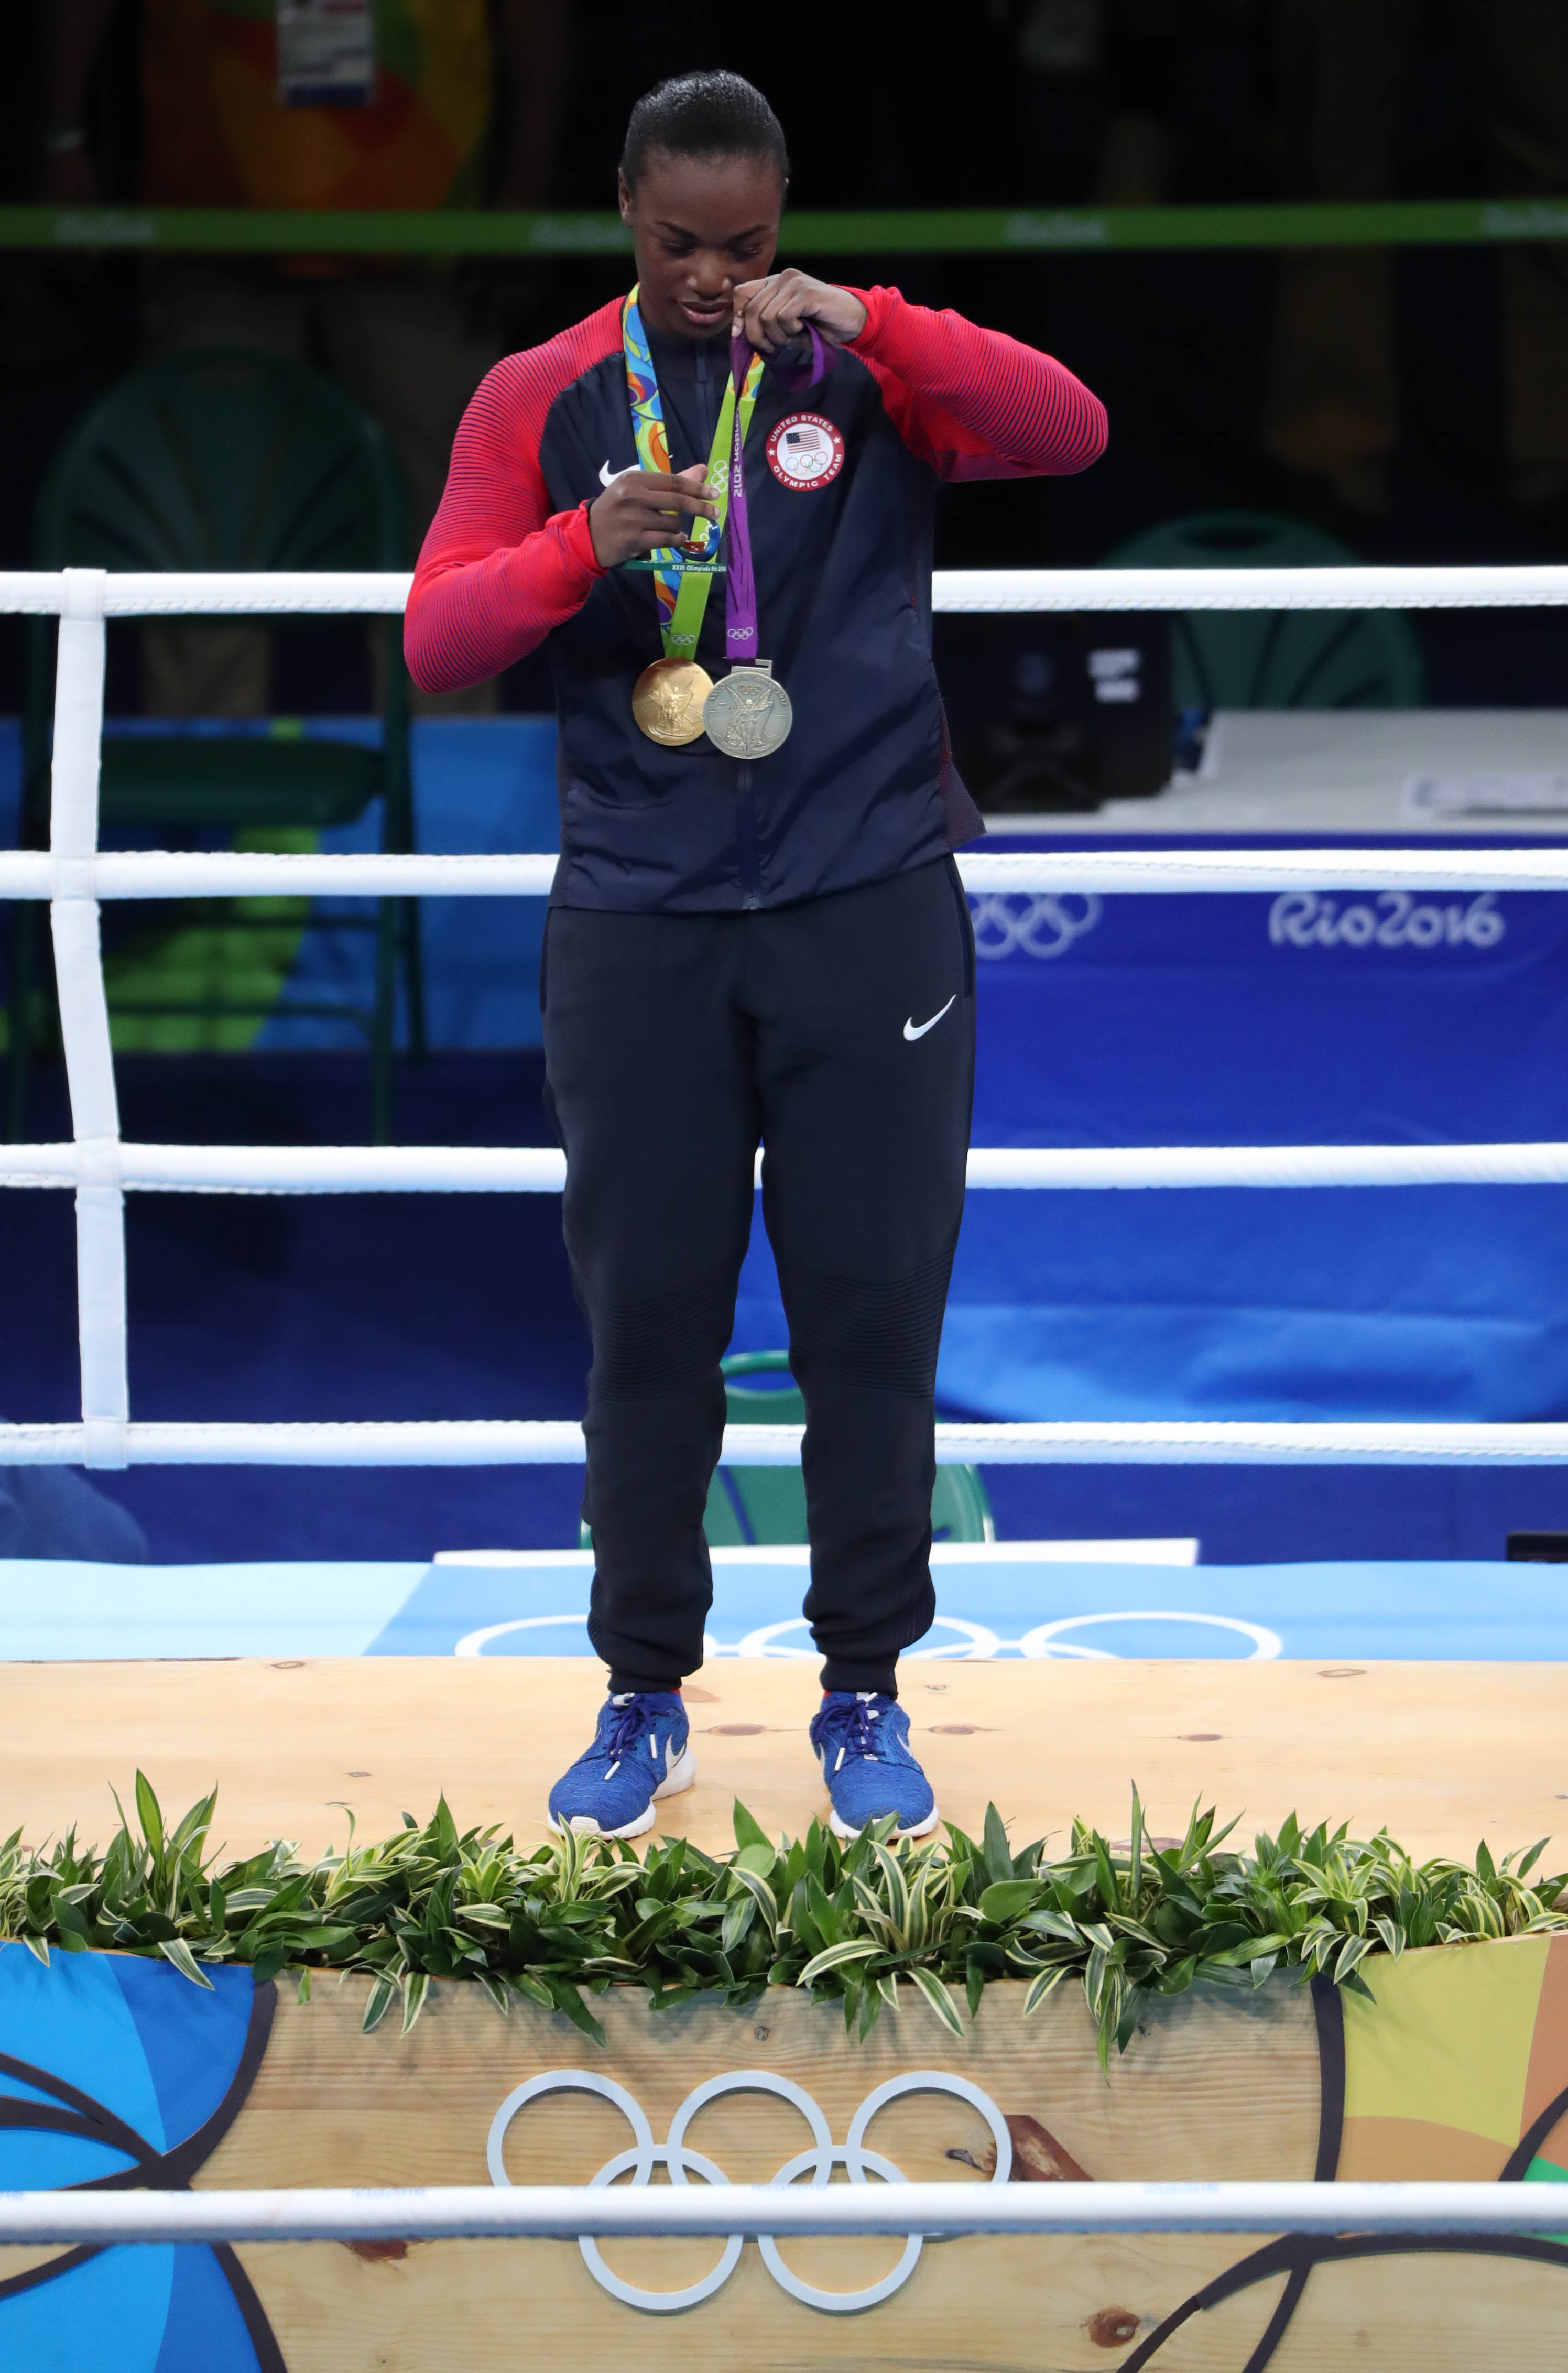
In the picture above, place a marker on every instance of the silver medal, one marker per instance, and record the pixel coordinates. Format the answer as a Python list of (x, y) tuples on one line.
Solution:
[(747, 714)]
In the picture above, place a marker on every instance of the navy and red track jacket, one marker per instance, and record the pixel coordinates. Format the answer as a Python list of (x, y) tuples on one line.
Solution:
[(864, 787)]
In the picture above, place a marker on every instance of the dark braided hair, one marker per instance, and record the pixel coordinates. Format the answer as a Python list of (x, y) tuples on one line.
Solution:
[(704, 115)]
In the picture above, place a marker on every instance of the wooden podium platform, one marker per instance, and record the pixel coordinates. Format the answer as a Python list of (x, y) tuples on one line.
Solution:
[(1457, 2067), (1441, 1754)]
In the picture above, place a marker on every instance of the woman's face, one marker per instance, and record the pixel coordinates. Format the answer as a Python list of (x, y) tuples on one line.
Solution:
[(699, 227)]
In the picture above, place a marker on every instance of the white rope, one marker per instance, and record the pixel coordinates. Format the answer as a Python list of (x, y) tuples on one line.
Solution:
[(1266, 1165), (162, 873), (1190, 1443), (483, 1442), (84, 1019), (1180, 872), (542, 1170), (1249, 588), (564, 2212), (227, 874), (498, 1441), (230, 593), (307, 1169)]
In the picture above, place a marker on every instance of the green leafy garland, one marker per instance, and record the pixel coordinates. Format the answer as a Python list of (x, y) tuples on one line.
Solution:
[(1129, 1920)]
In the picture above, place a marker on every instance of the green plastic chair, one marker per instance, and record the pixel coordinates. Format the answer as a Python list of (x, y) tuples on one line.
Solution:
[(1272, 658), (233, 458), (749, 1505)]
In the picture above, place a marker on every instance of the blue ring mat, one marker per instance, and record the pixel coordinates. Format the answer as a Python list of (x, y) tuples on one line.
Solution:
[(992, 1600)]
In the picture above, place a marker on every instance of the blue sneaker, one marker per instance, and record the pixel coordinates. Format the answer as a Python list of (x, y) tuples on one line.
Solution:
[(862, 1740), (639, 1753)]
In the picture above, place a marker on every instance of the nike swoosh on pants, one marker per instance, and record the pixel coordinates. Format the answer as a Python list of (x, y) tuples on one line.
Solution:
[(911, 1032)]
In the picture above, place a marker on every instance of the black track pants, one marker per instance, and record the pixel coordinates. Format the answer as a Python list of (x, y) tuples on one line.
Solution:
[(840, 1034)]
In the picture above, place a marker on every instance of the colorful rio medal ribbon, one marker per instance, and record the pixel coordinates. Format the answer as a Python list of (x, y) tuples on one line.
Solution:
[(668, 698), (747, 714)]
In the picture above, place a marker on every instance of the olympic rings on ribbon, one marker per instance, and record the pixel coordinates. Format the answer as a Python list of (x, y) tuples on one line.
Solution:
[(680, 2162), (1042, 927)]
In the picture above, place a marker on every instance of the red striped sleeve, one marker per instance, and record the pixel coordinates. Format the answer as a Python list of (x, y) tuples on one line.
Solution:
[(972, 403), (499, 569)]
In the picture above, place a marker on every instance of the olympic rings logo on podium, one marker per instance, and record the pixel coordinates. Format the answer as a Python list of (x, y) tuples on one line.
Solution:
[(1043, 926), (681, 2163)]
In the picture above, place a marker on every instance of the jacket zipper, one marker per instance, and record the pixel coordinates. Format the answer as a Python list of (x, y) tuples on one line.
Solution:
[(745, 835)]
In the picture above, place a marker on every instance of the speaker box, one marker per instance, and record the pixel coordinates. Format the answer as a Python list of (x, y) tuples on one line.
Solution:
[(1054, 715)]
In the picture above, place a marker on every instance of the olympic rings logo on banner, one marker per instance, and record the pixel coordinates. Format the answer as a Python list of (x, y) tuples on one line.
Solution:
[(1043, 926), (680, 2162)]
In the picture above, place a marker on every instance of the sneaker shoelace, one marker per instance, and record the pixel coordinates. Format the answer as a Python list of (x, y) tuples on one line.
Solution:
[(632, 1721), (848, 1728)]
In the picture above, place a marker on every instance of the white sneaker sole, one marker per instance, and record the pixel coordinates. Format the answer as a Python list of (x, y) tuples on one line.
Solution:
[(921, 1830), (680, 1777)]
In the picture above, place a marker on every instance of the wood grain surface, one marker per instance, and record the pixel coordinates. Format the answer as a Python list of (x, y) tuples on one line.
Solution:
[(1441, 1754), (331, 2106), (1212, 2086)]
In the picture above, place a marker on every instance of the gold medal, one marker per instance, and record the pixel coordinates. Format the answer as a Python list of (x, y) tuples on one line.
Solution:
[(669, 699), (748, 713)]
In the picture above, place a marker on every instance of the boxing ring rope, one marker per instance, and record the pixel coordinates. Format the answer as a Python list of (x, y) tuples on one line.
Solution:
[(239, 592), (38, 874), (542, 1170), (73, 875), (758, 2211), (557, 1442)]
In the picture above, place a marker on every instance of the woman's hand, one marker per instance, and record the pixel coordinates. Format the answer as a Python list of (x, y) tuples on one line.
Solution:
[(642, 510), (774, 312)]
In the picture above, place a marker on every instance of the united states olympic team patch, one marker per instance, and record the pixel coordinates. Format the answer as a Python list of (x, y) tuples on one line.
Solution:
[(805, 450)]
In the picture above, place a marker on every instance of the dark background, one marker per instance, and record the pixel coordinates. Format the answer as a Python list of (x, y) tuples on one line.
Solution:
[(449, 1307), (889, 106)]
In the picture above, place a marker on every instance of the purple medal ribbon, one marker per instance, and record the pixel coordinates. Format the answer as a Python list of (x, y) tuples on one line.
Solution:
[(795, 374), (739, 585), (792, 370)]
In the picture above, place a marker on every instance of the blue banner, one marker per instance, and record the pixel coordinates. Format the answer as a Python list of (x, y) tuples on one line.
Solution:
[(1304, 1019)]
